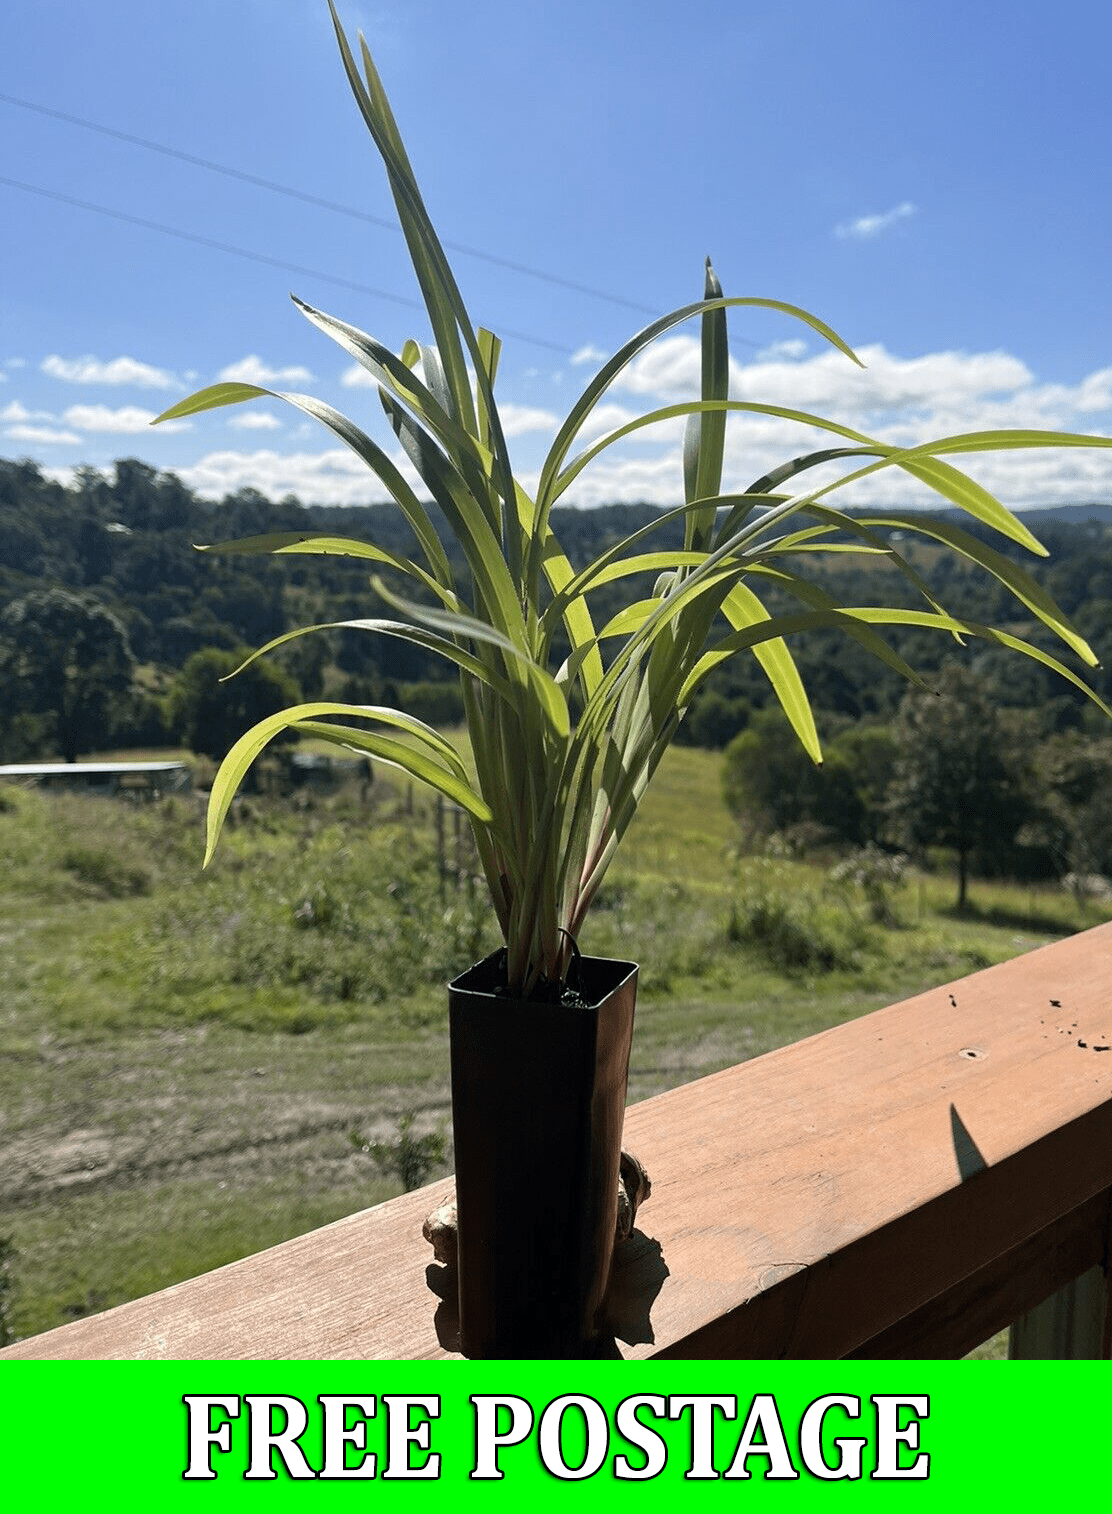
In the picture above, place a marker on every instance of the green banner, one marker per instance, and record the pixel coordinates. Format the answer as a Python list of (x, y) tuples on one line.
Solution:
[(208, 1435)]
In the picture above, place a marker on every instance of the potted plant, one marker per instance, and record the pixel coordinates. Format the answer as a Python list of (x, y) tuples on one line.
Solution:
[(568, 719)]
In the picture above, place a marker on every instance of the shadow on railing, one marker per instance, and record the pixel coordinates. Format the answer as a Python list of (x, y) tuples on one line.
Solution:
[(905, 1185)]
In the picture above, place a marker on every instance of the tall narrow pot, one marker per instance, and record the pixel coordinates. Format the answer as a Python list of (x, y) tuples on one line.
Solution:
[(538, 1101)]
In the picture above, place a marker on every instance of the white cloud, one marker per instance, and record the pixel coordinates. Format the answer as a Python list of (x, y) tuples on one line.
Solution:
[(127, 421), (655, 480), (830, 382), (607, 417), (1095, 392), (42, 436), (252, 370), (357, 377), (17, 412), (332, 477), (518, 419), (897, 399), (669, 368), (255, 420), (589, 354), (119, 370), (15, 362), (872, 226)]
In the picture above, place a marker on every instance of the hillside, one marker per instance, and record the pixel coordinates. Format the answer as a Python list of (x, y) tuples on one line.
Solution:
[(129, 543)]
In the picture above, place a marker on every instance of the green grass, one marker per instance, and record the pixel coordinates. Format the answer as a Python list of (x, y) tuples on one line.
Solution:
[(183, 1056)]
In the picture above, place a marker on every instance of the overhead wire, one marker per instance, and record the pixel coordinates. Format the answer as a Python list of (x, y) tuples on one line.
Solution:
[(291, 192), (244, 252), (324, 204)]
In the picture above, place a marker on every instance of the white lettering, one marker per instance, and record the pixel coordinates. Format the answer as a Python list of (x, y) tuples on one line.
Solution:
[(487, 1436)]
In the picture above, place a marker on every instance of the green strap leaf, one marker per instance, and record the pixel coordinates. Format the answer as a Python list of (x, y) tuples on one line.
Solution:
[(416, 227), (295, 543), (493, 581), (519, 665), (578, 586), (705, 437), (398, 755), (625, 355), (1010, 574), (232, 770), (364, 448), (463, 659), (212, 398), (443, 301), (431, 400), (742, 608)]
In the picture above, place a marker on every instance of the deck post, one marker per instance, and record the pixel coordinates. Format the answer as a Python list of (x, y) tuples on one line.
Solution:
[(1075, 1322)]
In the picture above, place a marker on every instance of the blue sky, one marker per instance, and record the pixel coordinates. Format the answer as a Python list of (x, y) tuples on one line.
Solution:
[(932, 179)]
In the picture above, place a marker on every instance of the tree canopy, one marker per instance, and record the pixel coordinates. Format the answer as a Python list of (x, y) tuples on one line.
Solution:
[(64, 657), (211, 714), (771, 784), (959, 779)]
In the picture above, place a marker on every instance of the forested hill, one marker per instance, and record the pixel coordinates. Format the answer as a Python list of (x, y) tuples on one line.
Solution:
[(131, 542), (128, 543)]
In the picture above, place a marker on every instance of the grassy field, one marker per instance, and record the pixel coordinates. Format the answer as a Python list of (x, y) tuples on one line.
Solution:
[(184, 1056)]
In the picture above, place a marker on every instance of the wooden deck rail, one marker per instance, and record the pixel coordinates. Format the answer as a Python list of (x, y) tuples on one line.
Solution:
[(903, 1185)]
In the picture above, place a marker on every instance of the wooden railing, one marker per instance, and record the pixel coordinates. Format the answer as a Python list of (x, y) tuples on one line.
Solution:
[(905, 1185)]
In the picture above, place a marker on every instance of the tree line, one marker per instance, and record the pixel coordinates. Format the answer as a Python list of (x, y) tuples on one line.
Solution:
[(115, 631), (954, 769)]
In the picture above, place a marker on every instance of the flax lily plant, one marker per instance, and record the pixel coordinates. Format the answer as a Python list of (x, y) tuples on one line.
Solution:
[(553, 795)]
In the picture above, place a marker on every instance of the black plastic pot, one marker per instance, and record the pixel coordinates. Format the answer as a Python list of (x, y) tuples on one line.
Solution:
[(538, 1101)]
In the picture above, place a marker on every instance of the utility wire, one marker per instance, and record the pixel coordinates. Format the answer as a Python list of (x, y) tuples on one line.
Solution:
[(254, 257), (310, 199)]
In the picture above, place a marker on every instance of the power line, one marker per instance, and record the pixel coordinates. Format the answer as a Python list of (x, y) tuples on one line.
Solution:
[(254, 257), (309, 199)]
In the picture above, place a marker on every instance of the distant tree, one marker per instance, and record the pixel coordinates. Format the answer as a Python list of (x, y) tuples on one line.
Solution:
[(959, 779), (715, 719), (93, 548), (771, 784), (1074, 816), (67, 657), (307, 658), (210, 716), (869, 753), (438, 704), (133, 493)]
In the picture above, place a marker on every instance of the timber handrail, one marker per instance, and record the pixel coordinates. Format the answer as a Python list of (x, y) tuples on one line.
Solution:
[(902, 1185)]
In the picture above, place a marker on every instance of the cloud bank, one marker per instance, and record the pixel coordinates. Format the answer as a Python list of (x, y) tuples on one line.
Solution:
[(116, 371), (899, 399)]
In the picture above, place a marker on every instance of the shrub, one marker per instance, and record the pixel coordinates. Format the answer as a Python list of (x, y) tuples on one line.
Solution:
[(878, 874), (795, 936), (106, 872)]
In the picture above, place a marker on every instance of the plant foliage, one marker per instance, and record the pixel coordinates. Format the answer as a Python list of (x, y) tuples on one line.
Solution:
[(552, 796)]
